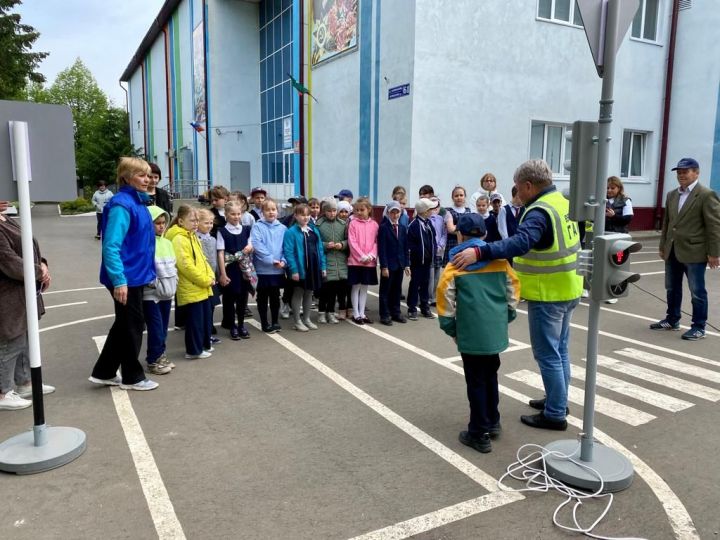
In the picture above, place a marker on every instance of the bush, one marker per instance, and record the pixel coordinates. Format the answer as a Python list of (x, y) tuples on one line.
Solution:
[(78, 206)]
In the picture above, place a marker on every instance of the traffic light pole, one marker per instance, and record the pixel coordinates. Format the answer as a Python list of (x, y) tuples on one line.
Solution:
[(599, 466)]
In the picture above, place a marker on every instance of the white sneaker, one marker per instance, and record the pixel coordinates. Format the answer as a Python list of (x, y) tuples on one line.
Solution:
[(13, 402), (585, 294), (211, 349), (322, 318), (204, 354), (300, 327), (311, 325), (115, 381), (332, 319), (611, 301), (146, 384), (285, 311), (25, 391)]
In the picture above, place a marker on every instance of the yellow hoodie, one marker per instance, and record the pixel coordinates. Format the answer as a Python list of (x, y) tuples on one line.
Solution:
[(195, 274)]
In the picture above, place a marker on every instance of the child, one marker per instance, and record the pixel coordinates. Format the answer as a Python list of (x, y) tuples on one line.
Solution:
[(421, 246), (195, 281), (209, 247), (441, 235), (475, 306), (509, 216), (289, 218), (362, 262), (344, 209), (218, 197), (257, 196), (99, 200), (158, 295), (314, 205), (482, 205), (496, 203), (451, 218), (333, 234), (266, 238), (247, 219), (232, 240), (399, 195), (393, 257), (306, 265)]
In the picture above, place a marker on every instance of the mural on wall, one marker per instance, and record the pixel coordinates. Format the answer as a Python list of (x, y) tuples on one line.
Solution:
[(200, 111), (334, 28)]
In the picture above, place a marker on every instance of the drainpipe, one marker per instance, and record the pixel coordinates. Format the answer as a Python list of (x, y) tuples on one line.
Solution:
[(145, 130), (167, 107), (666, 115), (127, 99), (301, 100)]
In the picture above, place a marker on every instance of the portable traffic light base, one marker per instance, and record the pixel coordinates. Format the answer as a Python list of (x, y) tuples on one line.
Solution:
[(41, 449), (608, 469)]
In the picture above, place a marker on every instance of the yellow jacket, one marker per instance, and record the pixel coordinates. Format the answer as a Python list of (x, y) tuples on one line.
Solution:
[(194, 272)]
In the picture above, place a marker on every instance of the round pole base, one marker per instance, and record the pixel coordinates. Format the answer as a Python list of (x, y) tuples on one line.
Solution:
[(615, 469), (19, 454)]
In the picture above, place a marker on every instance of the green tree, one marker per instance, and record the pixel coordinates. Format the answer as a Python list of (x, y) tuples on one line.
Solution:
[(17, 64)]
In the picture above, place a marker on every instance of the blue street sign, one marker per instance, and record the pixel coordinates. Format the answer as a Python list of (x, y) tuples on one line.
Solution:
[(399, 91)]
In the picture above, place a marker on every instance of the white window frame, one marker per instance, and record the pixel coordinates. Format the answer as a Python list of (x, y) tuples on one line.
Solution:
[(552, 19), (658, 19), (563, 174), (643, 154)]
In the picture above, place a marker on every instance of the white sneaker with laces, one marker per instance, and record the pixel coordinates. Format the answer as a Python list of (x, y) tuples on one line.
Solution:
[(146, 384), (332, 319), (115, 381), (311, 325), (25, 391), (300, 327), (585, 294), (203, 354), (13, 402), (322, 318), (611, 301), (285, 311)]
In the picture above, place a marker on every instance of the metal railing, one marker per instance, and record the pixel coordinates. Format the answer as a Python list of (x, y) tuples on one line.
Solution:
[(186, 189)]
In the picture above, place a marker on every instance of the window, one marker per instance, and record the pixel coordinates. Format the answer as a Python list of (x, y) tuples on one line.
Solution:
[(547, 141), (565, 11), (633, 154), (645, 23)]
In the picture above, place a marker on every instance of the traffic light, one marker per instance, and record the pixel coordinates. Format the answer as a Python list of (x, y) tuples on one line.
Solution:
[(582, 167), (611, 265)]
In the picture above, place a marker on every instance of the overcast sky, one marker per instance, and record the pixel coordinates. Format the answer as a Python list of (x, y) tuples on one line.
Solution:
[(103, 33)]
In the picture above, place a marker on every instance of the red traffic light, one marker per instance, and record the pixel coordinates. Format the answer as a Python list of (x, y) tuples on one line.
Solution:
[(618, 257)]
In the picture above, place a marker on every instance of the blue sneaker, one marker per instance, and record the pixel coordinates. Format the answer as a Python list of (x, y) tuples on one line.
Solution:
[(694, 334), (665, 325)]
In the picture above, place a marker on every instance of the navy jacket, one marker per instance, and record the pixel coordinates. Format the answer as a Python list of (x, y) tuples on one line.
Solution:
[(392, 250), (421, 242)]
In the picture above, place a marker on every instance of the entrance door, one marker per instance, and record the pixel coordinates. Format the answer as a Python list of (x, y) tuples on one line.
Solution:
[(240, 176), (287, 177)]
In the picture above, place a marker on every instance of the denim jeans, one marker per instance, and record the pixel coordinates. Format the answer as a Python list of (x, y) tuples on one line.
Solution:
[(14, 363), (157, 317), (549, 324), (695, 273)]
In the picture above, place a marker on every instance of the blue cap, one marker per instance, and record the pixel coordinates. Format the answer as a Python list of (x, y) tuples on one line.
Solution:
[(686, 163), (471, 225), (344, 193)]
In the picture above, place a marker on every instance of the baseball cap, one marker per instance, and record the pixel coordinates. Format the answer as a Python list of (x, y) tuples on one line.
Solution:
[(423, 205), (686, 163), (471, 225), (393, 205), (495, 197), (298, 199), (255, 190), (344, 193)]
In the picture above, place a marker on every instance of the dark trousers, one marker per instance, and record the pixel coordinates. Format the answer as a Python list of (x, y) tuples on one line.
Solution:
[(390, 292), (122, 346), (197, 327), (288, 291), (343, 296), (482, 391), (157, 318), (180, 315), (233, 305), (329, 293), (419, 287), (695, 272), (98, 215), (267, 295)]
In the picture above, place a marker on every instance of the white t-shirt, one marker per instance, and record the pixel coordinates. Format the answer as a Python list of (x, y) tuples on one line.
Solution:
[(232, 229), (627, 209)]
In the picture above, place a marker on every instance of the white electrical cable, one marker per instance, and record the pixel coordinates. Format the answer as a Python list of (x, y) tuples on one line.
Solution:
[(537, 479)]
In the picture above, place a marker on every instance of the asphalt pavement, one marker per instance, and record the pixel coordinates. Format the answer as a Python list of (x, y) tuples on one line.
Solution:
[(351, 431)]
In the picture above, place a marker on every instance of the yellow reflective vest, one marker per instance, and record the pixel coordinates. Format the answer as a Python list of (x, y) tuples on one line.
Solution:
[(549, 275)]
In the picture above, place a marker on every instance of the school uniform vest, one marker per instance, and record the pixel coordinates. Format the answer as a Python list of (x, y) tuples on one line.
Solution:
[(618, 206), (233, 244), (511, 221)]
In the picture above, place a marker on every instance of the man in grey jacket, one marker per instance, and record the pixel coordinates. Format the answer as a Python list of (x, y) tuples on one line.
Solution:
[(689, 242)]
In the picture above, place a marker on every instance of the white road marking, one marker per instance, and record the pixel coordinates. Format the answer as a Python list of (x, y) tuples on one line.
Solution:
[(438, 518), (677, 514), (161, 508), (79, 321), (74, 290), (65, 305), (675, 365), (652, 273), (648, 262), (644, 318), (662, 401), (516, 346), (608, 407), (662, 379)]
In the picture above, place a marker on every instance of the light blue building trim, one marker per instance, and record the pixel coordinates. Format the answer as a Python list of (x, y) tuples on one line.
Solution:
[(208, 107), (376, 125), (297, 99), (196, 168), (365, 97), (715, 170)]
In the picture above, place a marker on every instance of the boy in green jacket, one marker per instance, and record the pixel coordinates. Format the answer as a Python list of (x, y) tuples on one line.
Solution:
[(474, 307)]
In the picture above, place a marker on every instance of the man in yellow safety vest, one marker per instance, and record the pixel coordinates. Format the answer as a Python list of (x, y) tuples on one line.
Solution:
[(545, 251)]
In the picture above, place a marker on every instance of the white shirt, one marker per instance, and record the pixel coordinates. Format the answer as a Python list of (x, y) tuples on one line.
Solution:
[(627, 209), (232, 229), (684, 194)]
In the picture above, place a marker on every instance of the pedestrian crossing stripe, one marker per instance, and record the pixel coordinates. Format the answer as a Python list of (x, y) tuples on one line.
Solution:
[(674, 365)]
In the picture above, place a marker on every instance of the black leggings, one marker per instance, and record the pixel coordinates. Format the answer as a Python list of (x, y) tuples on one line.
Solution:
[(271, 294), (330, 291)]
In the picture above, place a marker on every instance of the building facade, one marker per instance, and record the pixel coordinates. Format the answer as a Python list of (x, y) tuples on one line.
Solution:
[(413, 92)]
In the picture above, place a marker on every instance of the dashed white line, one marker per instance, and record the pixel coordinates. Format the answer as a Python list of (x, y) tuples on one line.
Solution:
[(73, 290), (675, 365), (65, 305)]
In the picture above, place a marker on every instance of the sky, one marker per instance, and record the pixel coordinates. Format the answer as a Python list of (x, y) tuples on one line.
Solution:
[(104, 34)]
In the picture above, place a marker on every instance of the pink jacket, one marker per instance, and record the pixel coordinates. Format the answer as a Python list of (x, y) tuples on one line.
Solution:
[(362, 240)]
